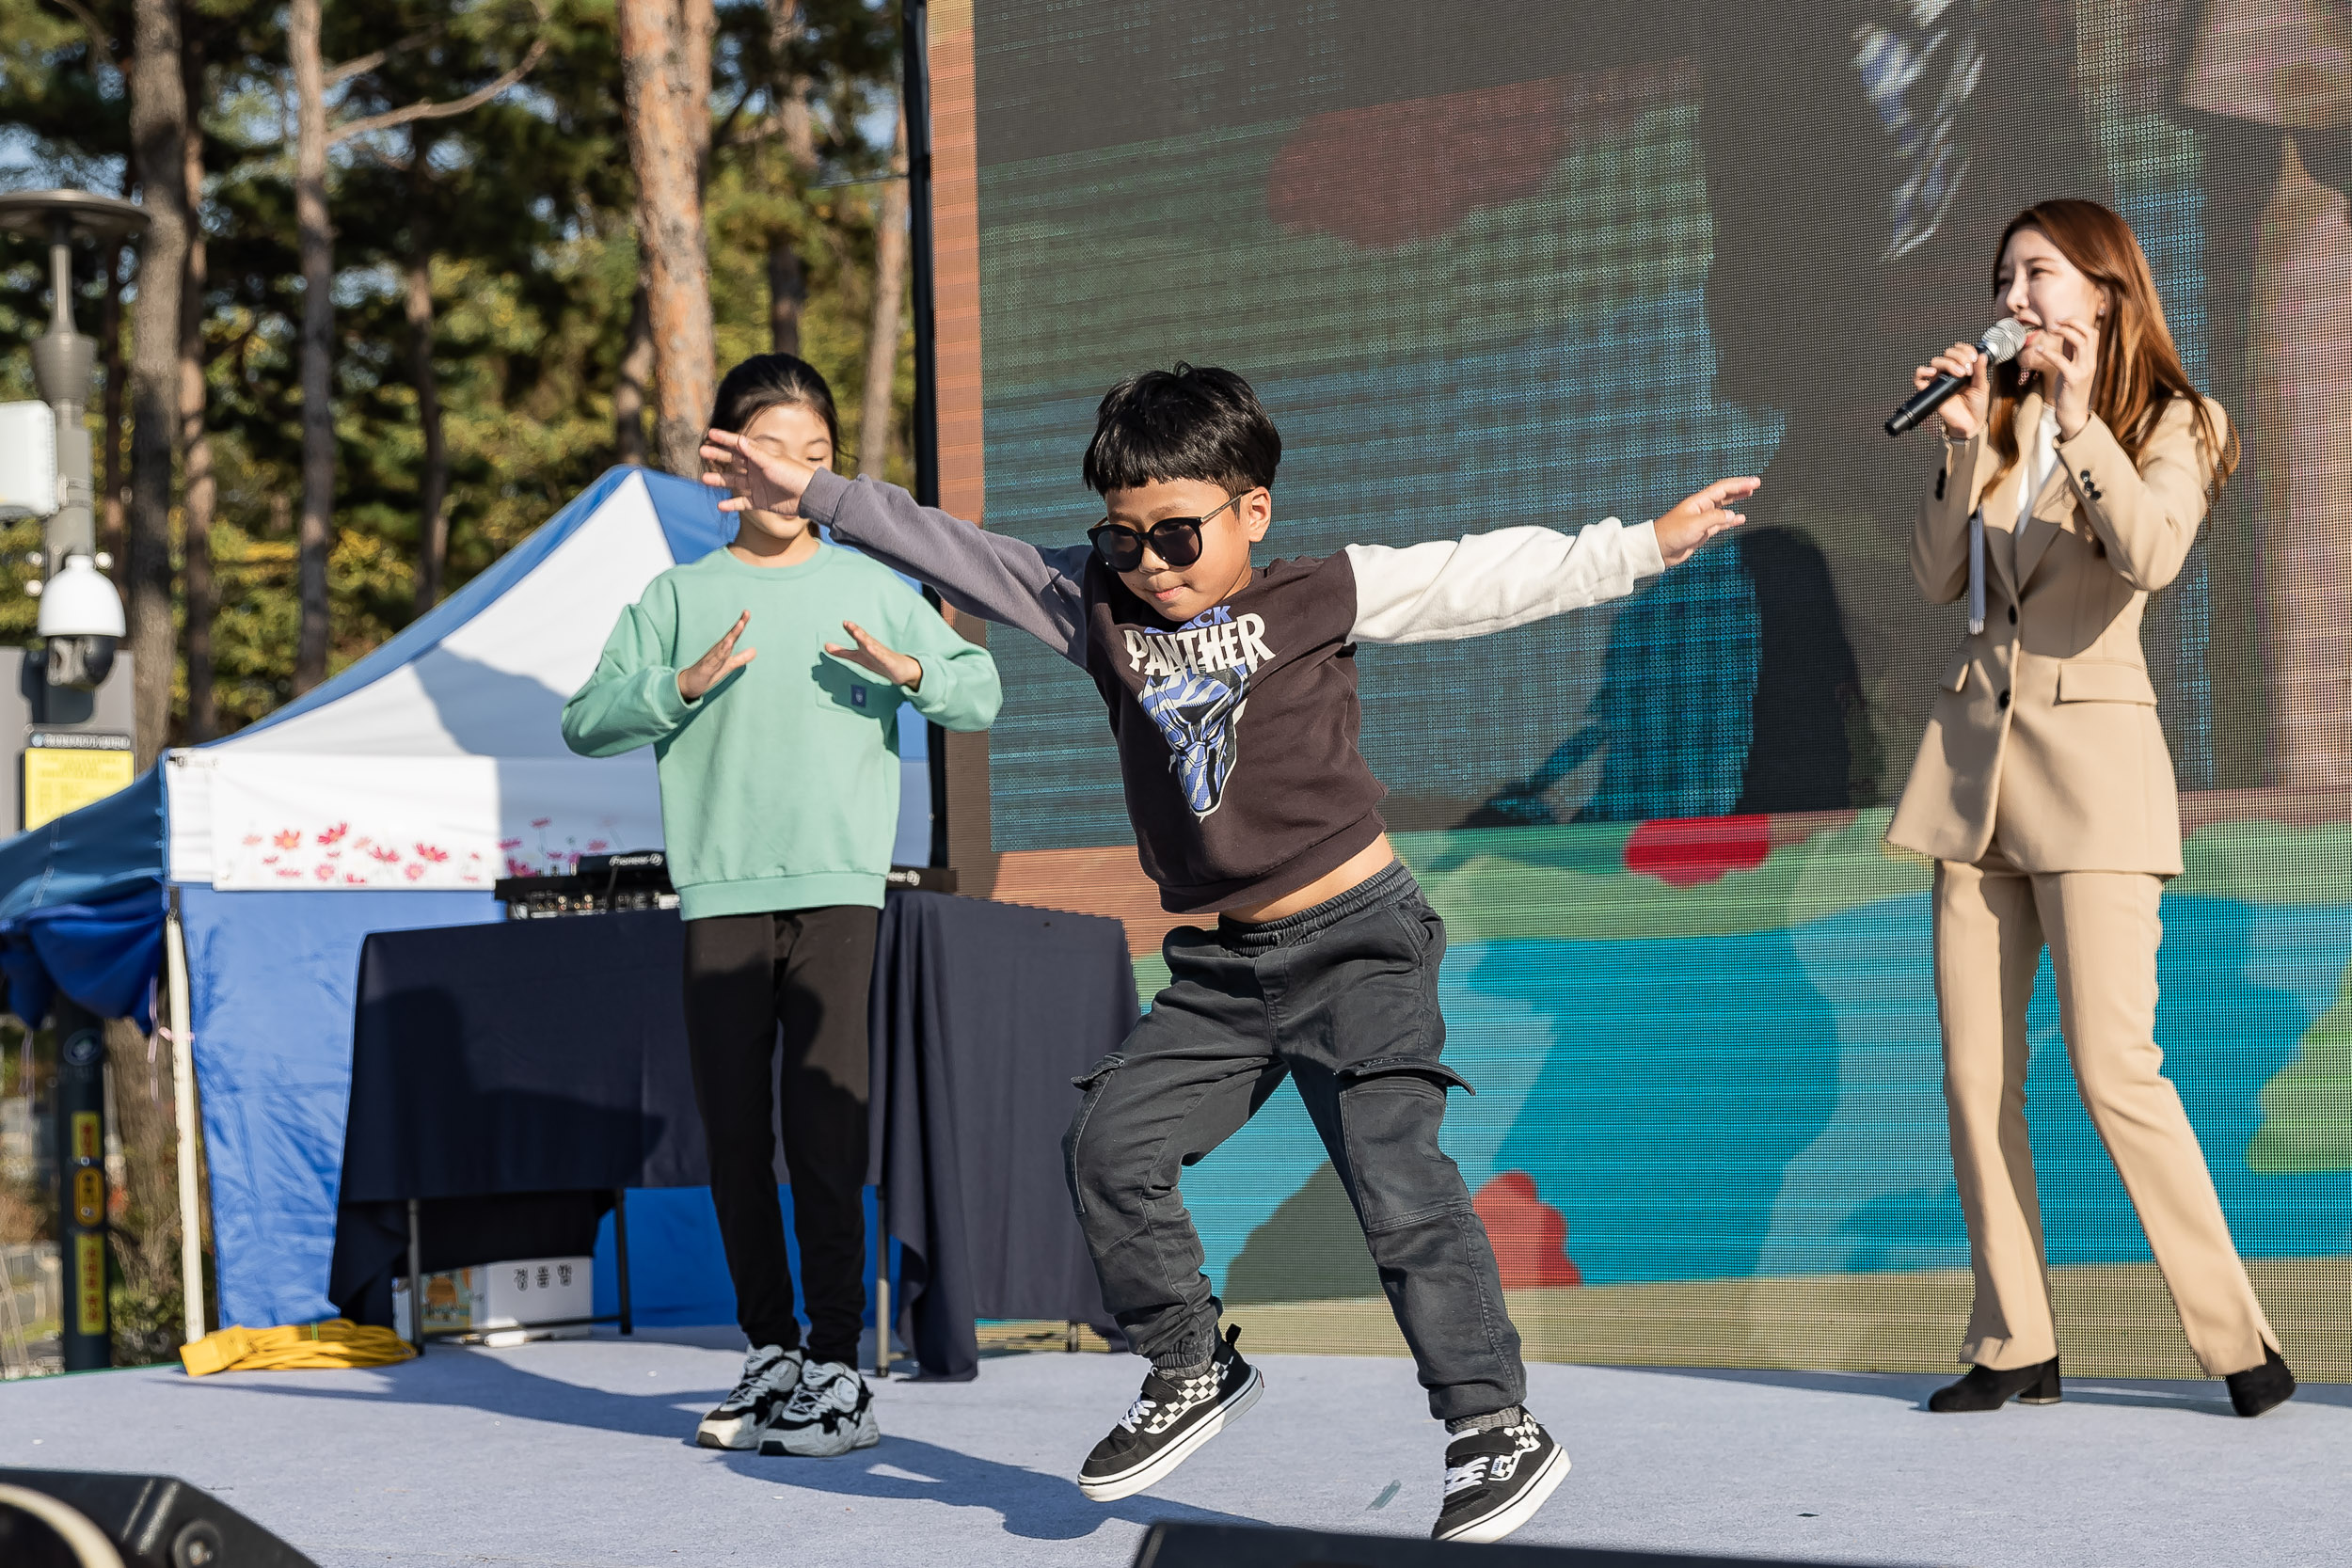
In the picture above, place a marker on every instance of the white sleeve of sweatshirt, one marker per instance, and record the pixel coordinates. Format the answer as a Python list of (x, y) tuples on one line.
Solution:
[(1485, 582)]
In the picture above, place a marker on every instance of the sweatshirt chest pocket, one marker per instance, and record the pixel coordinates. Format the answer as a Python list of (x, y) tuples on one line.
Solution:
[(843, 693)]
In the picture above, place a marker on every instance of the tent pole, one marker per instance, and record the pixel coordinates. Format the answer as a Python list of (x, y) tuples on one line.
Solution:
[(183, 1108)]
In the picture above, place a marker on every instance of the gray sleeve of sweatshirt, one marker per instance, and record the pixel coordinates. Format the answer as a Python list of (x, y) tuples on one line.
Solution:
[(993, 576)]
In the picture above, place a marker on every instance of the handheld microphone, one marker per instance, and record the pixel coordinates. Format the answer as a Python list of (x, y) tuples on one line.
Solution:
[(1998, 345)]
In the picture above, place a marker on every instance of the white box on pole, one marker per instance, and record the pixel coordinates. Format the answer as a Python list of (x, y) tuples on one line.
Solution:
[(29, 460)]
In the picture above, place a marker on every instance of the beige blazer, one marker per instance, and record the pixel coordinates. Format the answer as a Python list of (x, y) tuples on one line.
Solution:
[(2045, 724)]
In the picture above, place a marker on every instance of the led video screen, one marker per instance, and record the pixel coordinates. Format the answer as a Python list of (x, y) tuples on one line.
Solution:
[(1509, 262)]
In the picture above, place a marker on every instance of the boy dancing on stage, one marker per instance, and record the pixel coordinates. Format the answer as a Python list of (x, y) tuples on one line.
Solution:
[(1231, 693)]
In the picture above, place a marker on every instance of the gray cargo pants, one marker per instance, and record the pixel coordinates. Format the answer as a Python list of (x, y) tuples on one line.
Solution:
[(1342, 998)]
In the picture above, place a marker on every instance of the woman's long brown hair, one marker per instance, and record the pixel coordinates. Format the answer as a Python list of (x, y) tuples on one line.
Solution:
[(2139, 370)]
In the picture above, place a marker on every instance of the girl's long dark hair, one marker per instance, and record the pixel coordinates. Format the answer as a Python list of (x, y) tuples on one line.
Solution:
[(768, 381), (2139, 370)]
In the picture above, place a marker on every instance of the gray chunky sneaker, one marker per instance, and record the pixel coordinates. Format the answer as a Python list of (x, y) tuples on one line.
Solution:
[(828, 1415), (1168, 1422), (770, 1373)]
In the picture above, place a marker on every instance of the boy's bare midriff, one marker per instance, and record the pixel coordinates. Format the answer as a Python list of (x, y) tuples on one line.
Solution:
[(1361, 866)]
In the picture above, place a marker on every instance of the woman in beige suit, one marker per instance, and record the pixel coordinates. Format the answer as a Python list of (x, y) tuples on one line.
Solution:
[(2044, 790)]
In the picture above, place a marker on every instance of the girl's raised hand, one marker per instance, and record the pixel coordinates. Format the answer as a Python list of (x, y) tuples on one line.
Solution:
[(758, 480), (718, 664), (1698, 518), (1963, 414), (871, 653)]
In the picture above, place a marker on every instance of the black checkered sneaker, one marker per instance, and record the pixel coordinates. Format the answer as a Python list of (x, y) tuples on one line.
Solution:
[(1168, 1422), (1495, 1480)]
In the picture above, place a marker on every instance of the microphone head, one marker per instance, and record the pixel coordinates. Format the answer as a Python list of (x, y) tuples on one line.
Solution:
[(2003, 341)]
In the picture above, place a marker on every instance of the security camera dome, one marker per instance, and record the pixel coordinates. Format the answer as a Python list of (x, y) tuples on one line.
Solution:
[(80, 602)]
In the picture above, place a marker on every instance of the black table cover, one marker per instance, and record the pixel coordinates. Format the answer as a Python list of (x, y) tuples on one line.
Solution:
[(512, 1076)]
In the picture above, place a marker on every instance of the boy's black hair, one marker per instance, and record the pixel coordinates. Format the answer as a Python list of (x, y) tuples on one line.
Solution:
[(768, 381), (1191, 422)]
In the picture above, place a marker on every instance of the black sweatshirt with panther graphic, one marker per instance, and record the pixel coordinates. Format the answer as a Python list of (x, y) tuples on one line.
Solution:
[(1237, 730)]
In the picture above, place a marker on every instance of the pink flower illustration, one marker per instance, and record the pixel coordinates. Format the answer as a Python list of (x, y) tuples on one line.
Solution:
[(290, 871), (541, 822), (597, 845), (354, 880), (428, 852), (269, 859), (385, 853), (251, 839), (287, 838), (335, 834), (520, 868), (324, 872), (414, 869), (510, 844)]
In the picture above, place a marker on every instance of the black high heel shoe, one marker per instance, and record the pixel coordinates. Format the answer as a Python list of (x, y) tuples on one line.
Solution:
[(1987, 1388), (2263, 1387)]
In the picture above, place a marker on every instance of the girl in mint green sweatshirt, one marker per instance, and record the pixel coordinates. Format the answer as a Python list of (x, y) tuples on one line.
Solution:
[(766, 677)]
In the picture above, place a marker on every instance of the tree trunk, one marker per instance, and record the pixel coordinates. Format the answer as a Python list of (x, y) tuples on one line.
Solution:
[(881, 337), (628, 390), (433, 486), (787, 279), (198, 495), (111, 511), (787, 291), (666, 78), (316, 533), (159, 137), (148, 1320)]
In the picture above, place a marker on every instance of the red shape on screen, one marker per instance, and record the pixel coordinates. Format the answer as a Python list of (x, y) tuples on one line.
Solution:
[(1530, 1236), (1387, 175), (1686, 852)]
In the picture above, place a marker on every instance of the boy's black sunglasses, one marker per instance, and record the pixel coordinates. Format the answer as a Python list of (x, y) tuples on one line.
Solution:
[(1174, 540)]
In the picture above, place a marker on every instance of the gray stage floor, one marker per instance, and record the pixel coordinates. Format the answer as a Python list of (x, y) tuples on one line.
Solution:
[(580, 1454)]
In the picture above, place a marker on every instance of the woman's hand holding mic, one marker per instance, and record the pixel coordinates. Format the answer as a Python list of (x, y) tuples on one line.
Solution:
[(1963, 414)]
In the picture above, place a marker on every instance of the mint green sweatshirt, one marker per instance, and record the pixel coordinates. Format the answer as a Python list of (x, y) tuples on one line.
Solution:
[(780, 784)]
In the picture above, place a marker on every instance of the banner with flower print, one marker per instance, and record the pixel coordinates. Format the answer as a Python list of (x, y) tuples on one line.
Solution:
[(425, 823)]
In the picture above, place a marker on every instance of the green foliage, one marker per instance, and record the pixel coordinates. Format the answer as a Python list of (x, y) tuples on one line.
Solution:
[(524, 209)]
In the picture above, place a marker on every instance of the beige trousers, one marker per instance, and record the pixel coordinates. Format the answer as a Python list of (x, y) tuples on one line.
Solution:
[(1991, 920)]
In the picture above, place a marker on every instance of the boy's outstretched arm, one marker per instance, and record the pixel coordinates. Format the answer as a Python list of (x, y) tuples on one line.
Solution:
[(1486, 582), (998, 578)]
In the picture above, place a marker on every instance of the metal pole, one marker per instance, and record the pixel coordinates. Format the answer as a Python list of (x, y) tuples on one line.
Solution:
[(81, 1182), (881, 1286), (184, 1109), (416, 1281), (620, 1255), (914, 98)]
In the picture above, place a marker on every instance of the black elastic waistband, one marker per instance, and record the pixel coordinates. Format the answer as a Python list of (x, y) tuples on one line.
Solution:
[(1391, 884)]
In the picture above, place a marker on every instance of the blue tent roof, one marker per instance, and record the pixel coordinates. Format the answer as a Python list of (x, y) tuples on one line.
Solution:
[(111, 853)]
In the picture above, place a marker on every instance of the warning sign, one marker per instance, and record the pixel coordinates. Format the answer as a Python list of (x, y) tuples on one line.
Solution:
[(59, 779), (89, 1284)]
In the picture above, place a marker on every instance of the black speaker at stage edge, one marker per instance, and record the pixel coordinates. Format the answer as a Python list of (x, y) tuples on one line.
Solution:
[(145, 1521), (1173, 1545)]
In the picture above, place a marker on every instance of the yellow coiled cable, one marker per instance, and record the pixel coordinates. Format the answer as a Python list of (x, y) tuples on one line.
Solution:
[(337, 1343)]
